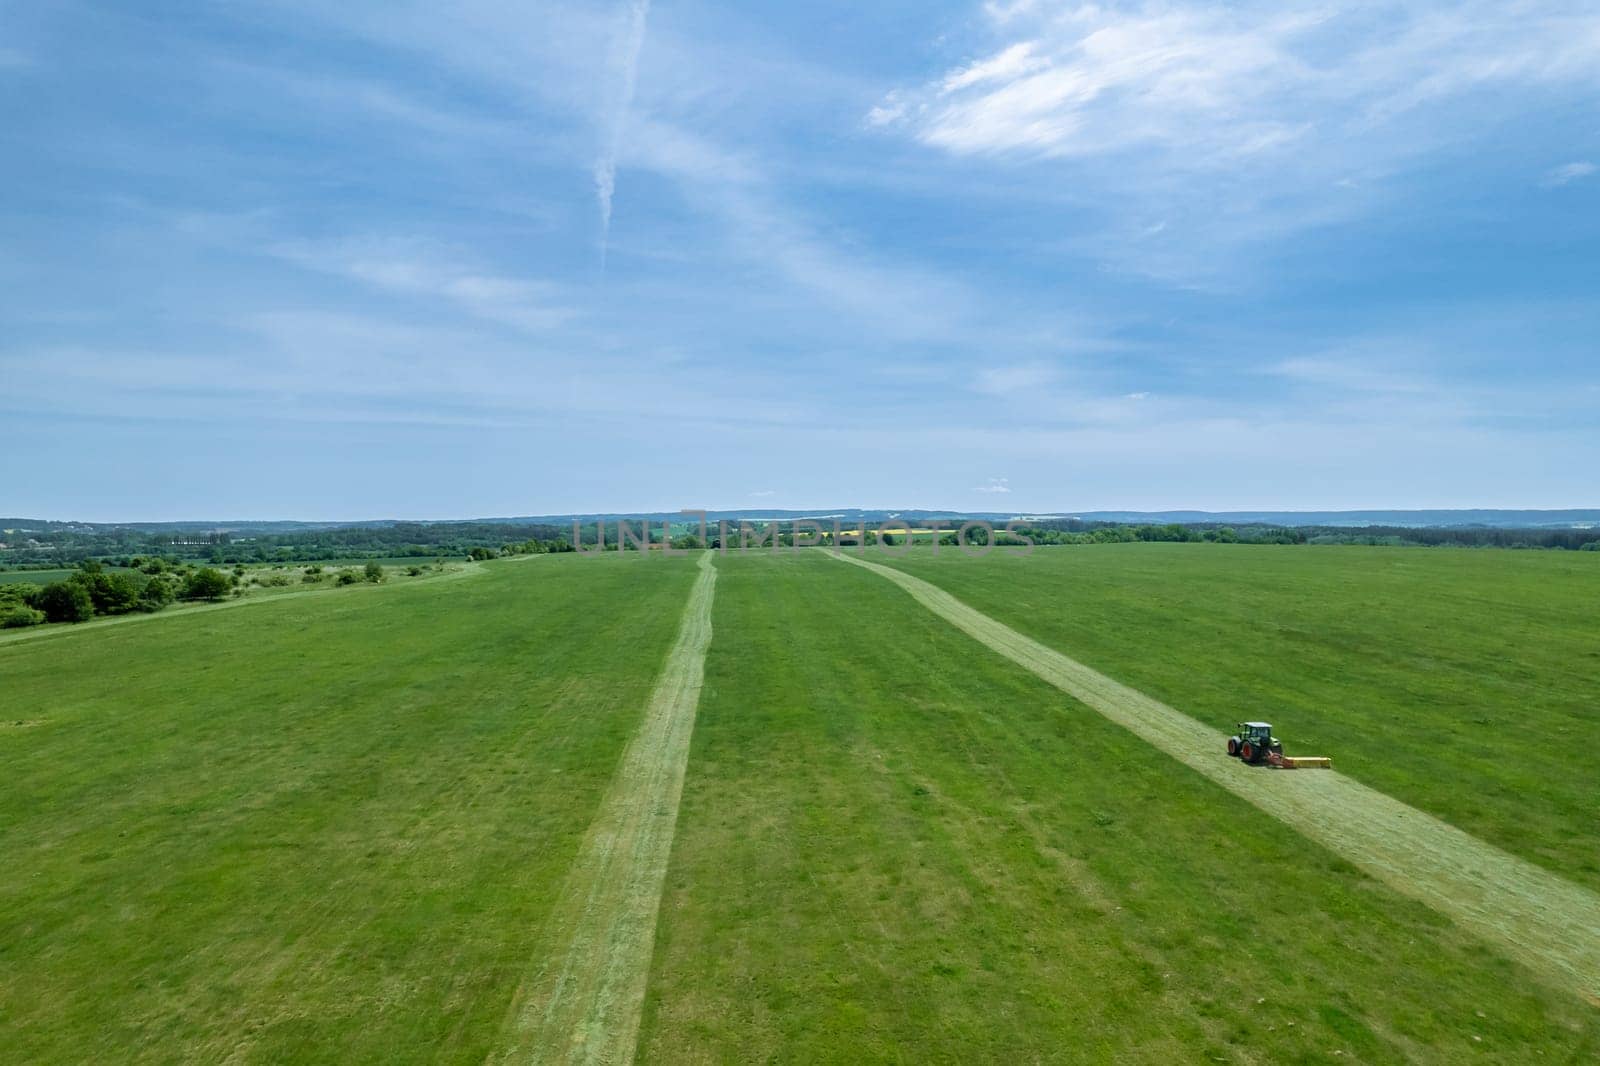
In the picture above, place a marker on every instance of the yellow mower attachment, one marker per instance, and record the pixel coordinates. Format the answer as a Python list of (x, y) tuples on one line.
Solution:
[(1300, 762)]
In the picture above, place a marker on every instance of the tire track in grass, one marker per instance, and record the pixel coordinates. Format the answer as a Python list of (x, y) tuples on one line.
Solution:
[(1546, 922), (585, 1006)]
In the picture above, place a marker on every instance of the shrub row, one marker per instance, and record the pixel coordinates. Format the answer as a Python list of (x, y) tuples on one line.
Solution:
[(93, 591)]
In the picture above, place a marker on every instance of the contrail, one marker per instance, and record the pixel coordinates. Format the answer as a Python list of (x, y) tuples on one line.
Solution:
[(605, 168)]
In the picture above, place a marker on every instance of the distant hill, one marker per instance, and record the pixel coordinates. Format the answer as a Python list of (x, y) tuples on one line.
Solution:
[(1420, 519), (1486, 519)]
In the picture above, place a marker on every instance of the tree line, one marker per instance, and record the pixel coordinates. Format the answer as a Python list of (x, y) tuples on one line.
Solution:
[(93, 591), (1076, 531), (63, 546)]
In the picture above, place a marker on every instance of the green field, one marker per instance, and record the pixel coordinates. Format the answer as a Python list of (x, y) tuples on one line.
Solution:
[(365, 823), (895, 846), (401, 561), (327, 827), (34, 577), (1461, 682)]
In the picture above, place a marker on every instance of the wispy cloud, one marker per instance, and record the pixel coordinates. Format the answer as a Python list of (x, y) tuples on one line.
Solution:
[(625, 62), (1239, 125), (1008, 380), (1350, 371), (995, 485), (761, 227), (1212, 81), (417, 269), (1569, 173)]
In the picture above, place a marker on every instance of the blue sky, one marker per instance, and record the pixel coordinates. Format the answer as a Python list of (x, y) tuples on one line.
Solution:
[(344, 261)]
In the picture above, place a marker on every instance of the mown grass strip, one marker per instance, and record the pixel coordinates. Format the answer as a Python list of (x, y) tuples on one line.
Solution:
[(1549, 924), (586, 1006)]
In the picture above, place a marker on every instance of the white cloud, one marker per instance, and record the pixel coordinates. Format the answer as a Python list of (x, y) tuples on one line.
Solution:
[(996, 485), (1194, 135), (1012, 63), (414, 268), (762, 494), (585, 61), (1214, 83), (1009, 380), (892, 110), (762, 228), (630, 42), (1351, 371), (1571, 172)]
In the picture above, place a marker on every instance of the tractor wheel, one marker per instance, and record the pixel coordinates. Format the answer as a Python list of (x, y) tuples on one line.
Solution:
[(1248, 752), (1233, 746)]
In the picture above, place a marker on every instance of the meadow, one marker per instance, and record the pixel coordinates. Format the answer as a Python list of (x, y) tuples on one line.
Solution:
[(323, 827), (1461, 682), (37, 577), (895, 846), (353, 825)]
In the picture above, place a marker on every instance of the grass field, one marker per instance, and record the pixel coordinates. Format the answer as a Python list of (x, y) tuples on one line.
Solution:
[(1461, 682), (37, 577), (896, 846), (376, 823), (328, 827), (401, 561)]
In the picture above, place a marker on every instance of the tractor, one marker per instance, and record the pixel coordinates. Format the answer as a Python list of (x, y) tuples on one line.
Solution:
[(1254, 743)]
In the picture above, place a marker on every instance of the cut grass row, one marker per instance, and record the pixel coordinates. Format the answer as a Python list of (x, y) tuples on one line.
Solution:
[(1459, 682), (896, 846), (329, 827)]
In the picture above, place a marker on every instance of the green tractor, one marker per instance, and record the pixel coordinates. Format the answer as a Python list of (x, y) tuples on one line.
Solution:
[(1254, 742)]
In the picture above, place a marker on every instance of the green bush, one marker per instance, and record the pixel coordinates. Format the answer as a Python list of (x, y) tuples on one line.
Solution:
[(110, 593), (414, 571), (373, 573), (311, 579), (347, 577), (19, 617), (17, 593), (156, 594), (64, 601), (206, 584)]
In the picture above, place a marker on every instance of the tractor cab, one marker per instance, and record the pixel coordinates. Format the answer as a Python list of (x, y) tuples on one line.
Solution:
[(1253, 742)]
